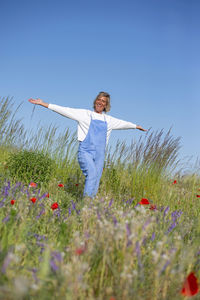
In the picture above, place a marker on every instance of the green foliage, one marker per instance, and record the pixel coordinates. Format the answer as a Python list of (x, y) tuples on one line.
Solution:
[(111, 180), (30, 166)]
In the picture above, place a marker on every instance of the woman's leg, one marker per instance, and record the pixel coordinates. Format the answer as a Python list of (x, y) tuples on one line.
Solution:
[(88, 168), (99, 163)]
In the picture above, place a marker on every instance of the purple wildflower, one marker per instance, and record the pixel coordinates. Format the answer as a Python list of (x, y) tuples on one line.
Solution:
[(136, 205), (28, 194), (127, 202), (137, 248), (128, 231), (73, 205), (2, 202), (18, 184), (6, 219), (165, 211), (171, 227), (130, 201), (34, 271), (144, 240), (164, 267), (39, 237), (7, 188), (53, 265), (57, 213), (57, 256), (146, 224), (78, 212), (6, 263), (157, 219), (42, 245), (138, 252), (153, 236), (129, 243), (110, 203), (172, 250), (161, 208), (40, 213), (87, 235), (176, 214), (115, 220), (42, 197)]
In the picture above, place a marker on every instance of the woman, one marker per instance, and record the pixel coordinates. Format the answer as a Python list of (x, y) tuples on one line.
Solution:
[(94, 129)]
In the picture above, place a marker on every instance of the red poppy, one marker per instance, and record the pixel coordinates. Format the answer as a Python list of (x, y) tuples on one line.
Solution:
[(190, 286), (61, 185), (112, 298), (152, 207), (144, 201), (174, 182), (32, 184), (12, 202), (80, 251), (198, 196), (76, 184), (54, 205), (33, 199), (47, 195)]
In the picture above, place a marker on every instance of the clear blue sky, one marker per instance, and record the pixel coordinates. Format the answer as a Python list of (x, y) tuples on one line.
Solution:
[(145, 53)]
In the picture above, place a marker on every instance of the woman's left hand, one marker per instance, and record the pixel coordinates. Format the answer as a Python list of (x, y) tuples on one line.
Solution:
[(140, 128)]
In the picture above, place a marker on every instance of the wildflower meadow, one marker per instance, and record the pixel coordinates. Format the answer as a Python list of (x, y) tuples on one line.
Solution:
[(139, 238)]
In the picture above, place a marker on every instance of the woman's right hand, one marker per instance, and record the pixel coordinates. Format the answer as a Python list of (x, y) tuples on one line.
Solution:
[(35, 101), (38, 102)]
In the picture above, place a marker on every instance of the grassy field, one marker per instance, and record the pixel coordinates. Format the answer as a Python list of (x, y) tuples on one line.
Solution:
[(138, 239)]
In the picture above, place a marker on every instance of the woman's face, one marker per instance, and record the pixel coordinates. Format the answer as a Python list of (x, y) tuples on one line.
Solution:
[(100, 104)]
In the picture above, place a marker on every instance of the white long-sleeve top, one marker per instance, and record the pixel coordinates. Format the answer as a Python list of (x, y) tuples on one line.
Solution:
[(83, 117)]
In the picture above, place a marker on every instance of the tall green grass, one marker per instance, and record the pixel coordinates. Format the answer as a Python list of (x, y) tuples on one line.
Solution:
[(130, 170)]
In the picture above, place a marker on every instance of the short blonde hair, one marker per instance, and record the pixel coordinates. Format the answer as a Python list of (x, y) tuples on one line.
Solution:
[(103, 94)]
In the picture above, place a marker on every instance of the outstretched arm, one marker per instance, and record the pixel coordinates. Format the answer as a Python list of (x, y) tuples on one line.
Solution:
[(115, 123), (38, 102), (79, 115)]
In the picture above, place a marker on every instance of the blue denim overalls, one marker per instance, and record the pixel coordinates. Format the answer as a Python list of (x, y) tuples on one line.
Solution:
[(91, 154)]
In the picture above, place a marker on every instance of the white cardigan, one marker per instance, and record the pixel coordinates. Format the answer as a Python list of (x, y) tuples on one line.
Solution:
[(83, 117)]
